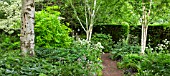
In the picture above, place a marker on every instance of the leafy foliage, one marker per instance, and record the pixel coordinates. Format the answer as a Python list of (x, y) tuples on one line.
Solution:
[(80, 59), (10, 15), (105, 40), (24, 66), (163, 47), (131, 63), (49, 31), (11, 11), (9, 42), (122, 48), (155, 64), (150, 64)]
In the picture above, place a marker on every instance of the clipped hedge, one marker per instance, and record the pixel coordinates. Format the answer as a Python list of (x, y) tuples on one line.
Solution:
[(155, 33)]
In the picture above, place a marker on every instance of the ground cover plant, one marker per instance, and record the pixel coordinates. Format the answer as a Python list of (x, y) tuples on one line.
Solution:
[(9, 42), (148, 65), (81, 59), (122, 48), (151, 64), (37, 37)]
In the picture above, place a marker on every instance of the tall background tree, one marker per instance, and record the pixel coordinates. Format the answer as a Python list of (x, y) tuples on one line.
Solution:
[(154, 12), (27, 27), (90, 8)]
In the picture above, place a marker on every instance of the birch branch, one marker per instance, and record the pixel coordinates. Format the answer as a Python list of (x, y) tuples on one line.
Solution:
[(89, 10), (150, 6), (86, 14), (77, 16), (97, 10), (93, 13)]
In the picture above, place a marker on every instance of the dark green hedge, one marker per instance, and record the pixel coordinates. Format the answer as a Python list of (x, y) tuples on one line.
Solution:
[(155, 33)]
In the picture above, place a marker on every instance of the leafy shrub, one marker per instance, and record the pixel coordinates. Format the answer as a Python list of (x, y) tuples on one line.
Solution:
[(9, 42), (106, 41), (155, 64), (131, 63), (11, 10), (49, 31), (10, 15), (122, 48), (150, 64)]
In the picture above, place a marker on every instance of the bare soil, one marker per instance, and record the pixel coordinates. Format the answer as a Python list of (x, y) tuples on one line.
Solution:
[(110, 66)]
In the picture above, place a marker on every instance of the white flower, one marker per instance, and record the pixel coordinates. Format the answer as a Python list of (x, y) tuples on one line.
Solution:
[(99, 45), (5, 3)]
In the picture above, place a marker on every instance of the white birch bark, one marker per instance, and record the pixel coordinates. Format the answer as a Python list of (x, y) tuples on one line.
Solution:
[(89, 15), (92, 21), (143, 31), (145, 18), (27, 27)]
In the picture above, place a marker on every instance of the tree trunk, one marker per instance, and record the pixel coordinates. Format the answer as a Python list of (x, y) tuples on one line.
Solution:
[(145, 19), (27, 27), (87, 35), (90, 32), (90, 18), (143, 37)]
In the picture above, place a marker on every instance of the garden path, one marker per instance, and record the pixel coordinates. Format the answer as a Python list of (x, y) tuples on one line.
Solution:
[(110, 66)]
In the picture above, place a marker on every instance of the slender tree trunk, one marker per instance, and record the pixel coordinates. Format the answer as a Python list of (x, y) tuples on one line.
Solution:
[(87, 35), (143, 32), (92, 17), (27, 27), (145, 19), (90, 32)]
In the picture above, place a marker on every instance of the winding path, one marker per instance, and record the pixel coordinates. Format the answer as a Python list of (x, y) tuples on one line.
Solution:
[(110, 66)]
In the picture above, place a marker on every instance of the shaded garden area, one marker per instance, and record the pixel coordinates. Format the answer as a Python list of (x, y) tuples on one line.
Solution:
[(84, 37)]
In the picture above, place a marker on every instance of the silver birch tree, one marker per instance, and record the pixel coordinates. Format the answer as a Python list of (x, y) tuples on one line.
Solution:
[(27, 27), (145, 17), (90, 12)]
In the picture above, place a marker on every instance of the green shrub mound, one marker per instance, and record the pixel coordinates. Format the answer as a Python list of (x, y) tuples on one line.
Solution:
[(130, 63), (106, 41), (82, 59), (122, 48), (49, 31), (149, 64), (153, 64)]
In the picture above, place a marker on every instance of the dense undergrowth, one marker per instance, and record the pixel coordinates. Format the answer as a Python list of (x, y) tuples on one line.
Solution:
[(57, 54), (106, 41), (81, 59), (152, 63)]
